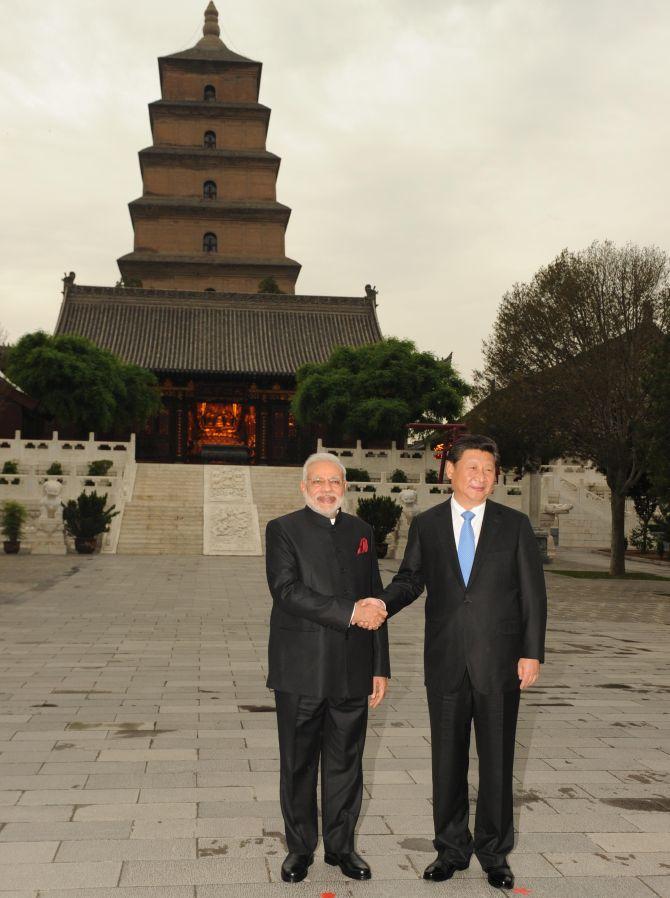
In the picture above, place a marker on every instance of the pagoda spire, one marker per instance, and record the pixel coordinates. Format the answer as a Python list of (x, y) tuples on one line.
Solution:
[(210, 30)]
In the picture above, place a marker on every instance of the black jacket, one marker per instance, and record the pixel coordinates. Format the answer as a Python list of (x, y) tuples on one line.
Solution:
[(316, 572), (485, 628)]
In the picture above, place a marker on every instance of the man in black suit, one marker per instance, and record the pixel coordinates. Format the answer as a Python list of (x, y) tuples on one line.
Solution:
[(328, 660), (486, 611)]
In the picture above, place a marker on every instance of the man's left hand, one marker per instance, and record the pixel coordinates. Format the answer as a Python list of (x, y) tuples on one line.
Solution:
[(378, 691), (528, 670)]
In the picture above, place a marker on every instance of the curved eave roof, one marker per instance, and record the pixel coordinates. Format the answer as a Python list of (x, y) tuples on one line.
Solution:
[(217, 333)]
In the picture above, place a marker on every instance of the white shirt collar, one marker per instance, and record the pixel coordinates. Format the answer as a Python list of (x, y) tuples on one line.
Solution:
[(478, 510)]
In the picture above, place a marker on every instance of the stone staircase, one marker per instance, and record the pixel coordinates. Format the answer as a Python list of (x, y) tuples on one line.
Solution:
[(165, 514), (276, 492)]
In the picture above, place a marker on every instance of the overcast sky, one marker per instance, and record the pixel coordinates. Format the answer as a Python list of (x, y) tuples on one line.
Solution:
[(441, 150)]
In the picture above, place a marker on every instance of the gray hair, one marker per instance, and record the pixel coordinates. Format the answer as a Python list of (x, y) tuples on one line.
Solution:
[(323, 456)]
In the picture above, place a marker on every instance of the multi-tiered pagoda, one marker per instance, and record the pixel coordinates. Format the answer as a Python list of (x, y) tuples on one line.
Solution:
[(208, 218), (207, 297)]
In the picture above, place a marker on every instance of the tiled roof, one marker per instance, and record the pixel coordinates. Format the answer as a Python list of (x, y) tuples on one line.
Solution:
[(235, 333)]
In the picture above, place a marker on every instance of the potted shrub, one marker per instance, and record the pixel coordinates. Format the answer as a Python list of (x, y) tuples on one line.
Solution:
[(357, 475), (382, 514), (432, 476), (13, 516), (10, 467), (398, 476), (99, 467), (55, 469), (85, 518)]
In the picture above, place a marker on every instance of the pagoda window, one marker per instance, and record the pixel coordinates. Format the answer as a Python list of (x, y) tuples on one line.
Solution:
[(209, 190), (209, 140), (210, 92), (209, 243)]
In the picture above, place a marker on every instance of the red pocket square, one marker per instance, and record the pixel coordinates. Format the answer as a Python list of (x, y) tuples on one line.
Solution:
[(363, 546)]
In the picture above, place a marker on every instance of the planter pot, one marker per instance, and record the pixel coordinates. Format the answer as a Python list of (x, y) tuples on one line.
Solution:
[(382, 549), (12, 546), (85, 545)]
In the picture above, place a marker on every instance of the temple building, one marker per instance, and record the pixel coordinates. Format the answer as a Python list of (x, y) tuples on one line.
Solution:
[(207, 297)]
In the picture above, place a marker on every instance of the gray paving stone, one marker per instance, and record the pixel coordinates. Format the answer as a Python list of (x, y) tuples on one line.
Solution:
[(140, 892), (59, 876), (38, 832), (126, 849), (29, 852), (610, 864), (162, 811), (205, 870)]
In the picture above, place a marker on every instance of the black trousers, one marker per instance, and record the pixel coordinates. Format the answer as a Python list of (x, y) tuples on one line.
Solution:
[(333, 731), (451, 717)]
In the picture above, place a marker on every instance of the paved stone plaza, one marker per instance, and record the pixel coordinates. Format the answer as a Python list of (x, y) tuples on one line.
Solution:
[(138, 753)]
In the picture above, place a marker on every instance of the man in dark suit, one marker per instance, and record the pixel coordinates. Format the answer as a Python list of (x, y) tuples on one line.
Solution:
[(486, 611), (328, 660)]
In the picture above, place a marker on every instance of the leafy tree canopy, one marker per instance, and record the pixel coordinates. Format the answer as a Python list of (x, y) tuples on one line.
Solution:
[(78, 384), (571, 353), (374, 391)]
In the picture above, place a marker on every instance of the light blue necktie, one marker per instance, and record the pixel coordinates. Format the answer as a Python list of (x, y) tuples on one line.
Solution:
[(466, 545)]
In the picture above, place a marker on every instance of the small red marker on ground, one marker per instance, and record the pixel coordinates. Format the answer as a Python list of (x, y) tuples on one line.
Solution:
[(327, 894), (522, 891)]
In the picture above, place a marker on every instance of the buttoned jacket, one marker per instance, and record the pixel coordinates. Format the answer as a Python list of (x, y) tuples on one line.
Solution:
[(316, 572)]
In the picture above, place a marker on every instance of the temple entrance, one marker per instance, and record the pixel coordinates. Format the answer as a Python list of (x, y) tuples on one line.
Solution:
[(222, 431)]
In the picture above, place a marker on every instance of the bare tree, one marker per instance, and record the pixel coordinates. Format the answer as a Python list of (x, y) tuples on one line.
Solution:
[(574, 347)]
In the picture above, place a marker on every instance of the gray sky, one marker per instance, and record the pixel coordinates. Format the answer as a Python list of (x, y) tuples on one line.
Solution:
[(442, 150)]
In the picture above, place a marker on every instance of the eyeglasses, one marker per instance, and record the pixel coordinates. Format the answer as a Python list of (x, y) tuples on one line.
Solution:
[(322, 481)]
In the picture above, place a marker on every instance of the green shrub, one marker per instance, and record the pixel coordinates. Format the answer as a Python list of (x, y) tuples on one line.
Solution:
[(398, 476), (396, 489), (357, 475), (86, 516), (432, 476), (381, 513), (13, 516), (369, 488), (434, 489), (99, 467), (55, 468), (10, 467)]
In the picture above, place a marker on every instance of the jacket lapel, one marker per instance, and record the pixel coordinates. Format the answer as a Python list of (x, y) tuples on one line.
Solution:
[(450, 542), (486, 537)]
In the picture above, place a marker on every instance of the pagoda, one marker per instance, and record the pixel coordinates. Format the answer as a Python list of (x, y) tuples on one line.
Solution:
[(198, 302), (208, 218)]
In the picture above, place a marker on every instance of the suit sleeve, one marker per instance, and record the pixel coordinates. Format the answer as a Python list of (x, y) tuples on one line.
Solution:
[(409, 582), (533, 593), (290, 593)]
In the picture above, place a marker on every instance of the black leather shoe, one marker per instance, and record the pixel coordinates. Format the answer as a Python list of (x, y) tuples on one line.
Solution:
[(350, 864), (500, 877), (440, 870), (295, 867)]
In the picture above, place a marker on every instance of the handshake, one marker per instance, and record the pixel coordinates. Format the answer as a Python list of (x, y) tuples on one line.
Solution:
[(369, 614)]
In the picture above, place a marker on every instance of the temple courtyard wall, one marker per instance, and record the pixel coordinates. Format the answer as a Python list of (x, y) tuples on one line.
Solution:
[(138, 749)]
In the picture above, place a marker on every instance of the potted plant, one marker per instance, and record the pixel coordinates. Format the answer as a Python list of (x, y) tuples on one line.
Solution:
[(432, 476), (85, 518), (357, 475), (382, 514), (13, 516), (99, 467), (398, 476), (55, 469), (10, 467)]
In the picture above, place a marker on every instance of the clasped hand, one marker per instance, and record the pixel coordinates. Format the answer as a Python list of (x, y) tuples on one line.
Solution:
[(369, 613)]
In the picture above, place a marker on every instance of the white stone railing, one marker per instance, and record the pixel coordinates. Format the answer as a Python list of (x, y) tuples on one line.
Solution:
[(34, 457), (376, 461)]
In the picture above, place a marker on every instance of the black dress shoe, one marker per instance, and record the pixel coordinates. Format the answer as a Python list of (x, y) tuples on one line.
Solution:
[(500, 877), (295, 866), (350, 864), (440, 870)]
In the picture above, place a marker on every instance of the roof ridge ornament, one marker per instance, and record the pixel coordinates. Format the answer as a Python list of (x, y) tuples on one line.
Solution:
[(210, 30), (211, 25)]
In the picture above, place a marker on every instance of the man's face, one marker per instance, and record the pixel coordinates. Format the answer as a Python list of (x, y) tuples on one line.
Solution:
[(472, 477), (324, 488)]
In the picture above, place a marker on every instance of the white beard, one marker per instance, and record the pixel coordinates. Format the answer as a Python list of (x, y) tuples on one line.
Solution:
[(326, 512)]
